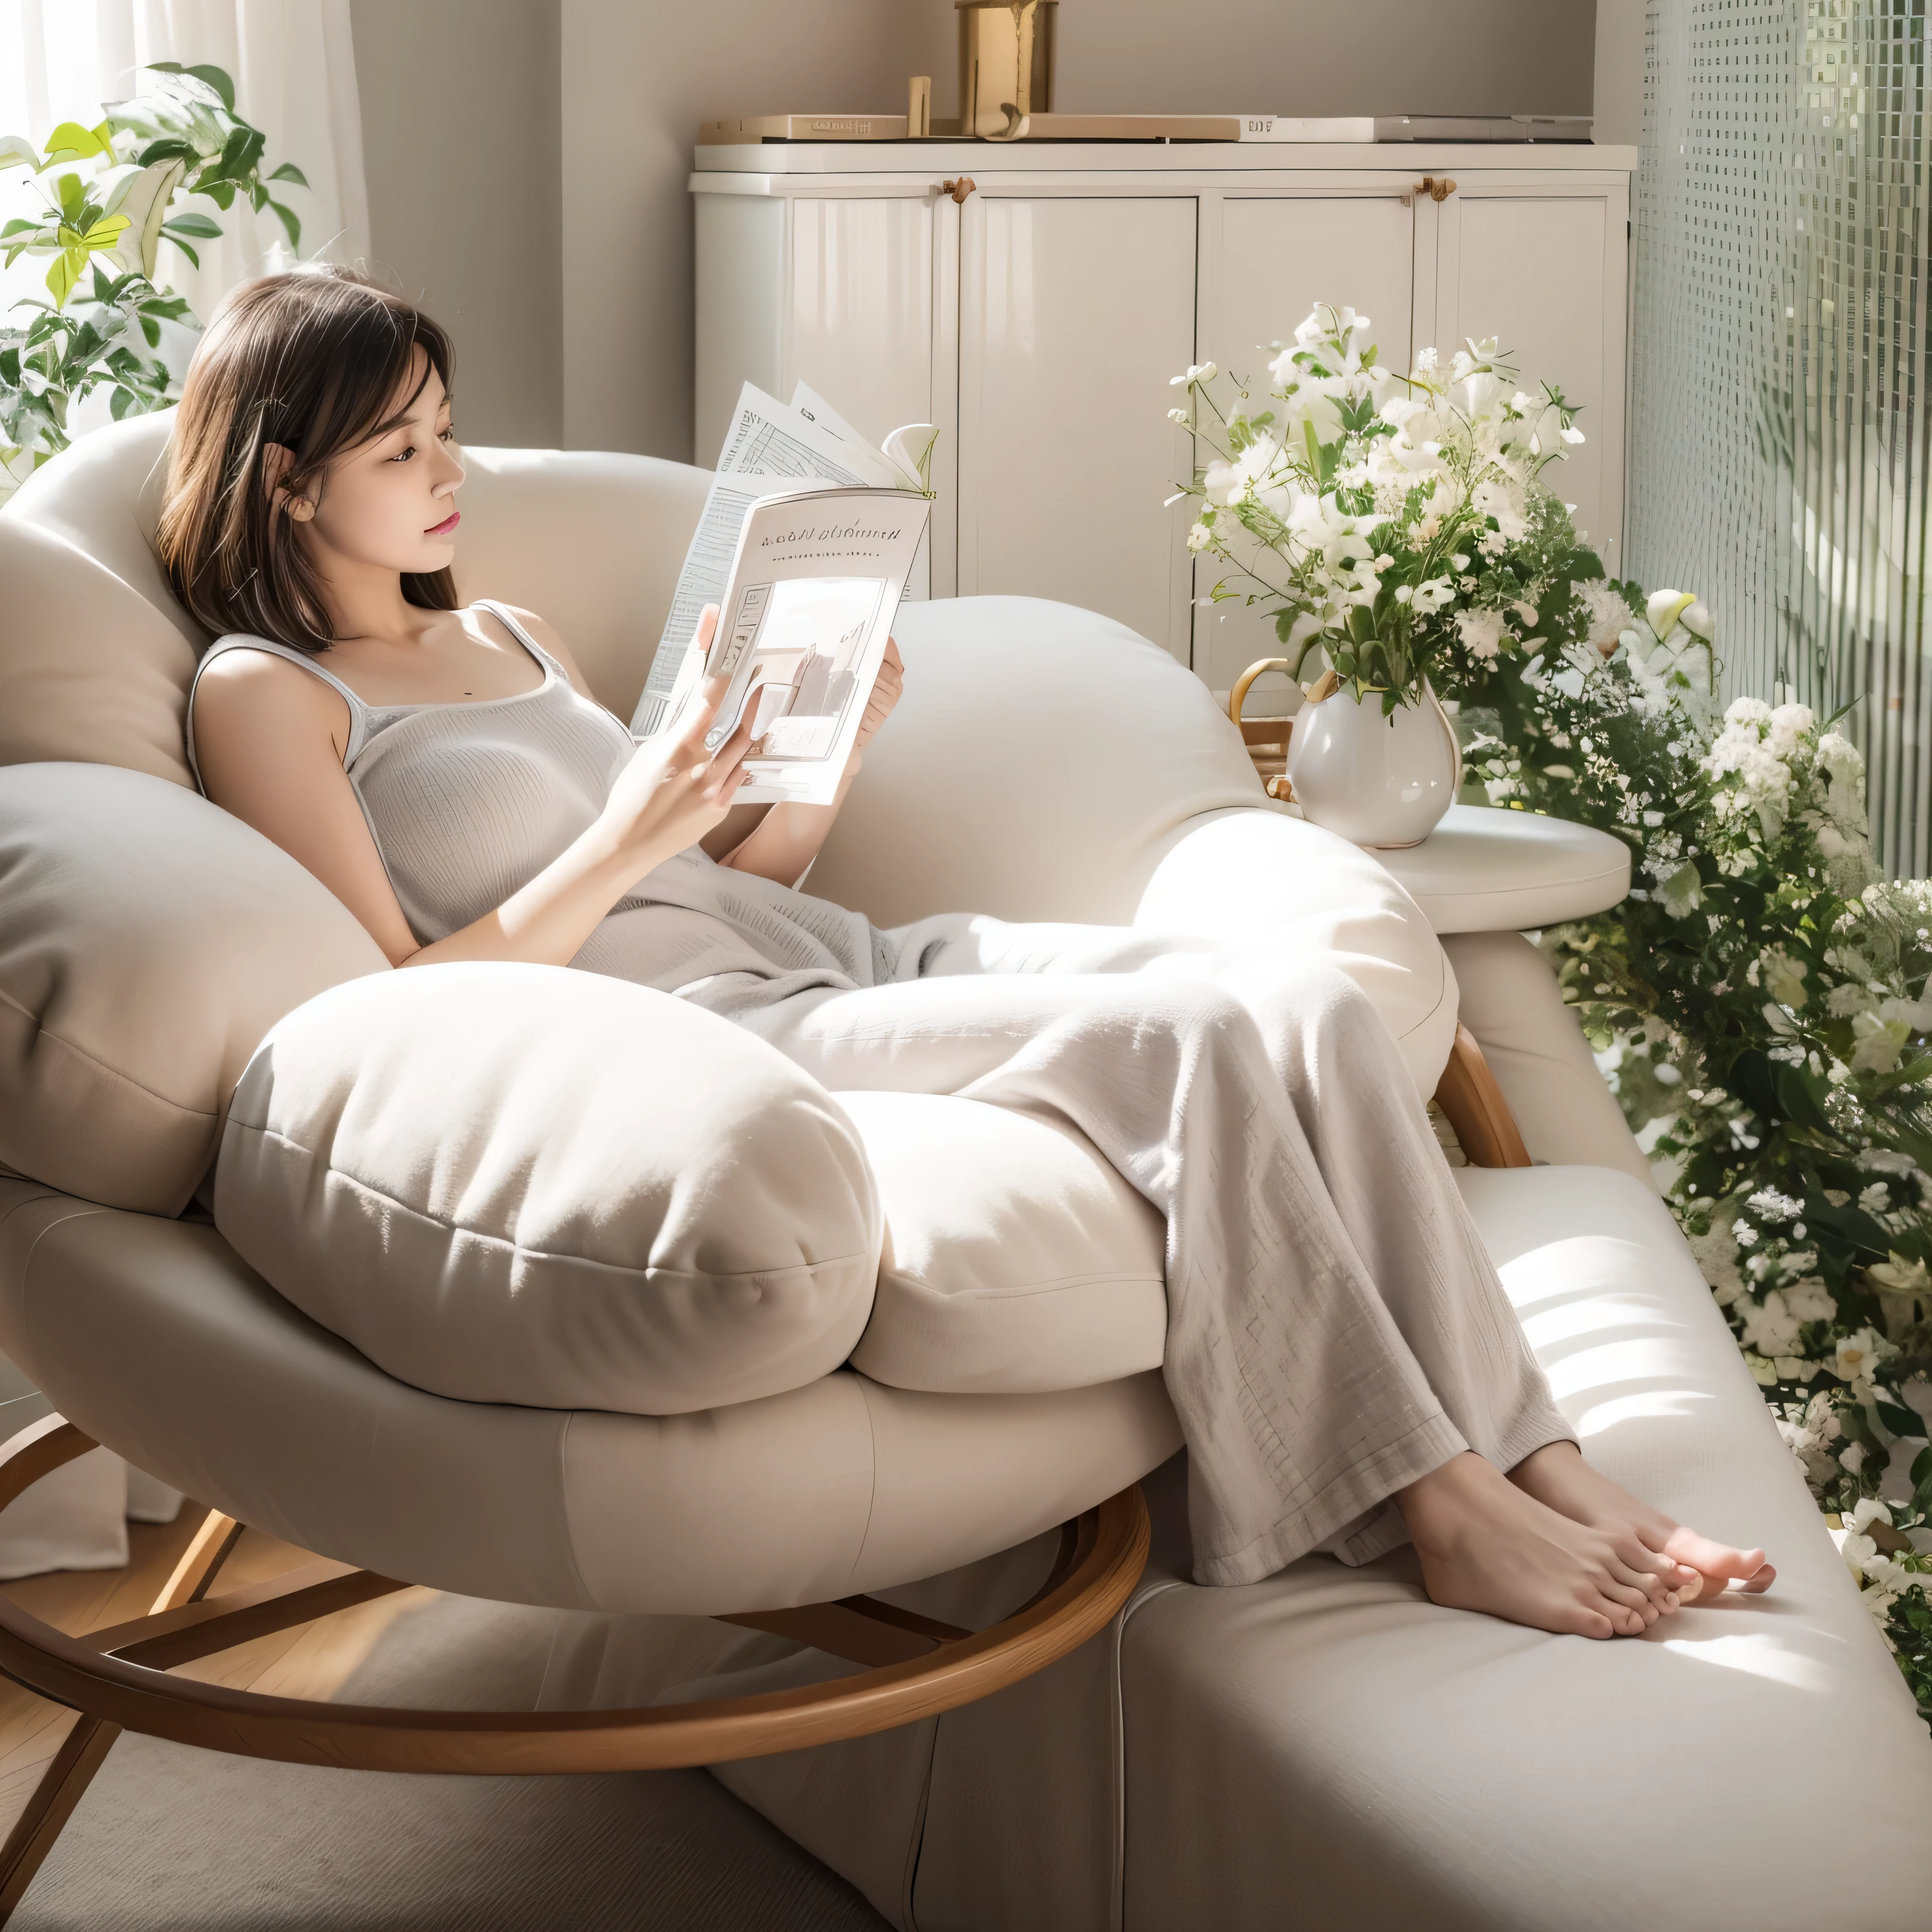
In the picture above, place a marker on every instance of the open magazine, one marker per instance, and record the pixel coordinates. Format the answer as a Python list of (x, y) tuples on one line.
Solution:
[(773, 449), (815, 582)]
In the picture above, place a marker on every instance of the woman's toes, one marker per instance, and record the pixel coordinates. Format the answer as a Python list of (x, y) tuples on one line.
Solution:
[(1708, 1589), (1648, 1574), (1713, 1558)]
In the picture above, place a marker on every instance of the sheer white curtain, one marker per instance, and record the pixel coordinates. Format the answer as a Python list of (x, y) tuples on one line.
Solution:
[(294, 70)]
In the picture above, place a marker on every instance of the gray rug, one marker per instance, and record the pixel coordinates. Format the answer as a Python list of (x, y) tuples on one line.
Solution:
[(194, 1841)]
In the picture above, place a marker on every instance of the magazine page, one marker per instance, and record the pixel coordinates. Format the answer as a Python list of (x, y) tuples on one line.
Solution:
[(814, 588), (769, 446), (772, 439), (707, 568), (814, 409)]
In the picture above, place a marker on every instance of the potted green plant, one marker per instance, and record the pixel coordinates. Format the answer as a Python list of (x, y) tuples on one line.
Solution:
[(101, 202)]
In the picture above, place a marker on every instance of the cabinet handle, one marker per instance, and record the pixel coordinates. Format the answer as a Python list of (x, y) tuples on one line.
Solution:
[(960, 189), (1436, 190)]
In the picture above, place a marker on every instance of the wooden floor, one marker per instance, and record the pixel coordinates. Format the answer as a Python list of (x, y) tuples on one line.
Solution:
[(310, 1660)]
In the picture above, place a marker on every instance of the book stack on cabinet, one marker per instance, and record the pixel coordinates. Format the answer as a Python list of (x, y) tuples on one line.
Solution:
[(1033, 298)]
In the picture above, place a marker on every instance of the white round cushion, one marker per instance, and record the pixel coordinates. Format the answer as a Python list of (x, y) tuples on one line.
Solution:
[(1016, 1260), (148, 941), (529, 1184)]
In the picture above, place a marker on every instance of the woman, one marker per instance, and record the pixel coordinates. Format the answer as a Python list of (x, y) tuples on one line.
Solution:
[(1347, 1369)]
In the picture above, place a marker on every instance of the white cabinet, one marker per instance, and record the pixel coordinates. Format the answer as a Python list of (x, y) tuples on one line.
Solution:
[(1074, 311), (1037, 321), (1543, 267)]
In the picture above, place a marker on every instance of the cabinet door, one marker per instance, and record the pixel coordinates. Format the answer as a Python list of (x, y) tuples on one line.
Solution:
[(1544, 273), (859, 329), (1265, 261), (836, 292), (1074, 313)]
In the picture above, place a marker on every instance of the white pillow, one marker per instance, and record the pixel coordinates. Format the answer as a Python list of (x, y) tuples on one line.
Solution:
[(1016, 1259), (530, 1184), (148, 941)]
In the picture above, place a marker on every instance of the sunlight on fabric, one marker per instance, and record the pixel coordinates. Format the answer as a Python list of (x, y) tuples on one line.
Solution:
[(1624, 1366), (1758, 1654), (1597, 1416), (1582, 1313)]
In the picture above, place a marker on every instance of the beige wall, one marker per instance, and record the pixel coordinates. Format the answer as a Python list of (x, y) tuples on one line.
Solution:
[(461, 109), (1306, 57), (1619, 71), (638, 76), (527, 158)]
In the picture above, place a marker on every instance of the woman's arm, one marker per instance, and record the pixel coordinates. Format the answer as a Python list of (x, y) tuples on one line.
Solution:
[(740, 822), (789, 838), (269, 739)]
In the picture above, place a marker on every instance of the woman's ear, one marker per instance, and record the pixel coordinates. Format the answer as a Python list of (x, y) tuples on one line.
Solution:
[(276, 458)]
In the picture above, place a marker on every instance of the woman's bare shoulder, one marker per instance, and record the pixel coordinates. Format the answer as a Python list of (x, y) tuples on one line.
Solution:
[(251, 673), (253, 689), (545, 633)]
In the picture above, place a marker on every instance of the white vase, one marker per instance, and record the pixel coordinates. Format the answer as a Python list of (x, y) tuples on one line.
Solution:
[(1379, 781)]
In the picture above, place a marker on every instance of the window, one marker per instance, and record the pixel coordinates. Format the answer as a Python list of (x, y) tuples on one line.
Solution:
[(1779, 429)]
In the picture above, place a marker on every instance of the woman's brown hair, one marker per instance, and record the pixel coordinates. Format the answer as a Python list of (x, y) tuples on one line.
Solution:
[(312, 360)]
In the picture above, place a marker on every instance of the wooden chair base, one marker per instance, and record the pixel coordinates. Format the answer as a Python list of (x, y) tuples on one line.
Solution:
[(1473, 1104), (117, 1678)]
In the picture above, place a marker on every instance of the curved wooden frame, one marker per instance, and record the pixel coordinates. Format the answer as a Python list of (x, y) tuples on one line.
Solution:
[(117, 1677)]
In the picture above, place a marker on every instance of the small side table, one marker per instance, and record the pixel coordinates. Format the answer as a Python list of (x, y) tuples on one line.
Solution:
[(1483, 877), (1484, 869)]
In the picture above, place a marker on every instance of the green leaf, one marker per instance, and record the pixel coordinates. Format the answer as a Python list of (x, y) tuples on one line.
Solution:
[(217, 78), (201, 226), (290, 223), (169, 149), (187, 250), (1900, 1420), (105, 231), (72, 141), (288, 172), (19, 225), (71, 192), (65, 273)]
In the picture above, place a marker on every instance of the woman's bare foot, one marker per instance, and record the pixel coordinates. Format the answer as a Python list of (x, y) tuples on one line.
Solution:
[(1486, 1544), (1557, 1477)]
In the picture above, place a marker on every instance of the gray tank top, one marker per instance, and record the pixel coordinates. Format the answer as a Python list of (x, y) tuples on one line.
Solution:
[(468, 801)]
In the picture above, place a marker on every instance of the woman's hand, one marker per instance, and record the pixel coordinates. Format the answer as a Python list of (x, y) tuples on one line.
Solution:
[(886, 689), (674, 791), (784, 844)]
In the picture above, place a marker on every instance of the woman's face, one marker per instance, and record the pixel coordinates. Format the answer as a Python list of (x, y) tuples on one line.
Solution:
[(391, 504)]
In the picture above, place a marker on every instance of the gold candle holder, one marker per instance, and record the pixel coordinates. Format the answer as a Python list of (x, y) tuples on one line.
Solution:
[(1005, 65)]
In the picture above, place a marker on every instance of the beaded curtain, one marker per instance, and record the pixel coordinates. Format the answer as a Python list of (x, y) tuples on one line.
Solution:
[(1778, 401)]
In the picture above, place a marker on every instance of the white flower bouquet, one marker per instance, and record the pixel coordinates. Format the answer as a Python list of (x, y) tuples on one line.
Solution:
[(1372, 513)]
